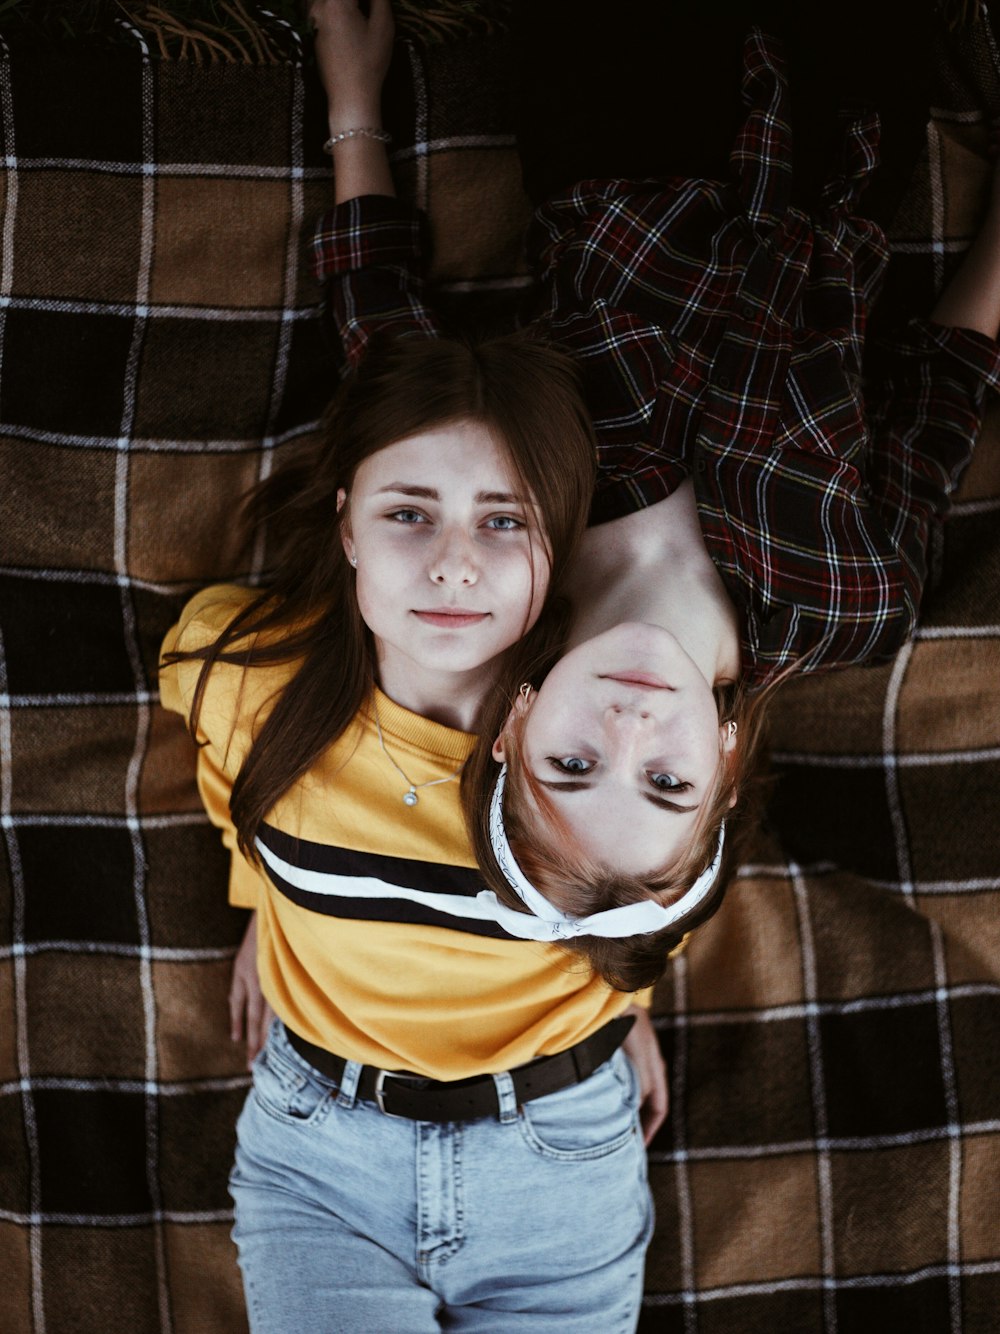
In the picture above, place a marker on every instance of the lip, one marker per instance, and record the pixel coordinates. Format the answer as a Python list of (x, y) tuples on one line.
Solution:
[(450, 618), (642, 680)]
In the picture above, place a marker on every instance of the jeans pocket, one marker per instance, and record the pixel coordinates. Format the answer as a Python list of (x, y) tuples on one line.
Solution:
[(587, 1120), (286, 1087)]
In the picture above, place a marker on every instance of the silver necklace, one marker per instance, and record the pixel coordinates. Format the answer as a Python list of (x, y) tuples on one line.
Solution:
[(410, 798)]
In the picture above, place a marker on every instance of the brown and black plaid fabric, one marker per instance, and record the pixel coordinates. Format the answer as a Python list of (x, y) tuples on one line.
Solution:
[(832, 1154)]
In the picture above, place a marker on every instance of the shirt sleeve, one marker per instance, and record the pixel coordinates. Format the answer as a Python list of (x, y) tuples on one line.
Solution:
[(202, 619), (372, 253), (925, 424)]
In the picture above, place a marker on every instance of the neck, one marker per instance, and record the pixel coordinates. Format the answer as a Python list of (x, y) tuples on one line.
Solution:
[(653, 566), (450, 698)]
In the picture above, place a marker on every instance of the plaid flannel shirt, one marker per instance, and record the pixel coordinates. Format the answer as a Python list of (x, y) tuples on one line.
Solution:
[(719, 331)]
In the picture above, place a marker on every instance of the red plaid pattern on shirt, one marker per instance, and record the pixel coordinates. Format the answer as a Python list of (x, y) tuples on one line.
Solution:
[(719, 331)]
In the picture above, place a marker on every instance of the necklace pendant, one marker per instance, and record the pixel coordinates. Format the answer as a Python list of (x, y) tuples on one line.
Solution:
[(410, 798)]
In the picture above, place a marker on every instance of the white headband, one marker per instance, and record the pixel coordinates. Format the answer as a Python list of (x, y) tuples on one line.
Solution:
[(547, 922)]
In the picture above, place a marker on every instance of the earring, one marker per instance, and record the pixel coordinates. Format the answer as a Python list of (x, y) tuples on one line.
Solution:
[(525, 691), (354, 561), (731, 729)]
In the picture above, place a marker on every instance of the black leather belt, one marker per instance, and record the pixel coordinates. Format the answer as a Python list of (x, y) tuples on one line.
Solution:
[(401, 1094)]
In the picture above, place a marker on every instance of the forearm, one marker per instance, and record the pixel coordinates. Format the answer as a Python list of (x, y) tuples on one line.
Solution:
[(360, 166), (971, 299), (353, 51)]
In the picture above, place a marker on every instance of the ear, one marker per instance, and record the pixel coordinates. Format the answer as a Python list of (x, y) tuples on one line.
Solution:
[(346, 540), (729, 735), (520, 706)]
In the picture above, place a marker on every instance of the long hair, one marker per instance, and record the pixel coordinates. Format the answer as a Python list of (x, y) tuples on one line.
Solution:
[(579, 884), (527, 395)]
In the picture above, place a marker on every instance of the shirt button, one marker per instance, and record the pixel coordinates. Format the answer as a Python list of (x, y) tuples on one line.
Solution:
[(701, 466), (722, 382)]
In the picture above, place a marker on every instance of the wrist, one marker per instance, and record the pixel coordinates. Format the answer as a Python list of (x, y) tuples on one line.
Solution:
[(348, 115)]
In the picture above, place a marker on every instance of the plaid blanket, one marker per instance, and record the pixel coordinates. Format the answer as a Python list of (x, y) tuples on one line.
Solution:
[(831, 1157)]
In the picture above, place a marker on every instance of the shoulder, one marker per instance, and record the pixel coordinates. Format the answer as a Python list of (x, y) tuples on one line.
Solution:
[(205, 617), (233, 695)]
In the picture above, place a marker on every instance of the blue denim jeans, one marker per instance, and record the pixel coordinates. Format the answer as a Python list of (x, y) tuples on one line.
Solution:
[(354, 1222)]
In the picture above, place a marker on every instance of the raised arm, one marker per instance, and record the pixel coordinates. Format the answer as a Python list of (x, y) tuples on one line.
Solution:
[(353, 53), (370, 248)]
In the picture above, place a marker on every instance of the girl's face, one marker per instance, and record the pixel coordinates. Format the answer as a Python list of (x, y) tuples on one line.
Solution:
[(452, 567), (624, 735)]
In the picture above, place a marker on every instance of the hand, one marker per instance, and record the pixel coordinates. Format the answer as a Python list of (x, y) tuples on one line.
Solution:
[(249, 1013), (353, 53), (643, 1049)]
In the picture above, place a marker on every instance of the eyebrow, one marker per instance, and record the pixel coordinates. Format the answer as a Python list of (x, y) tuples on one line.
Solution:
[(429, 493), (576, 785)]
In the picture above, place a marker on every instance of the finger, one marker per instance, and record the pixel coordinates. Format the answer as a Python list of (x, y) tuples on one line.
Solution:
[(652, 1116), (255, 1016), (261, 1029), (237, 1005)]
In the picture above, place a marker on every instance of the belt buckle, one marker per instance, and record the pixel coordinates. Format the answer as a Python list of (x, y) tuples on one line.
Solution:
[(380, 1079)]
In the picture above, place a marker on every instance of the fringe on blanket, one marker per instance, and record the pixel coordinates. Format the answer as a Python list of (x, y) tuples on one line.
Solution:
[(237, 31)]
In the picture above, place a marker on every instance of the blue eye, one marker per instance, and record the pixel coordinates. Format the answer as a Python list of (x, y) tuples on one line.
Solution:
[(667, 782), (407, 516), (505, 523), (571, 764)]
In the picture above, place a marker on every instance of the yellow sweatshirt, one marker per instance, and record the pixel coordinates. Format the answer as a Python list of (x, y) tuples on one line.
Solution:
[(371, 942)]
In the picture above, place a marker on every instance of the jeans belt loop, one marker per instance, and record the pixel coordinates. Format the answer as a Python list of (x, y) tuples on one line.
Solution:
[(347, 1093), (506, 1097)]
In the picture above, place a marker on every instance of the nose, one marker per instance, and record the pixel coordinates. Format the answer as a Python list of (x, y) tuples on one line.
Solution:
[(626, 734), (619, 716), (453, 561), (625, 724)]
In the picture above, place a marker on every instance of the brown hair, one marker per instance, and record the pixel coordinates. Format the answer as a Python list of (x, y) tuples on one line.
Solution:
[(579, 885), (527, 395)]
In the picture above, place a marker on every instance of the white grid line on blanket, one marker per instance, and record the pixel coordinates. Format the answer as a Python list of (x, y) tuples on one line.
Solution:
[(172, 1088), (955, 245), (908, 760), (900, 1139), (965, 508), (147, 445), (778, 871), (936, 182), (955, 1145), (976, 117), (238, 171), (894, 1000), (814, 1047), (63, 820), (891, 761), (419, 76), (119, 950), (957, 632), (678, 1122), (765, 1287), (150, 310), (137, 697), (455, 141), (142, 718), (100, 577), (151, 1218), (282, 352)]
